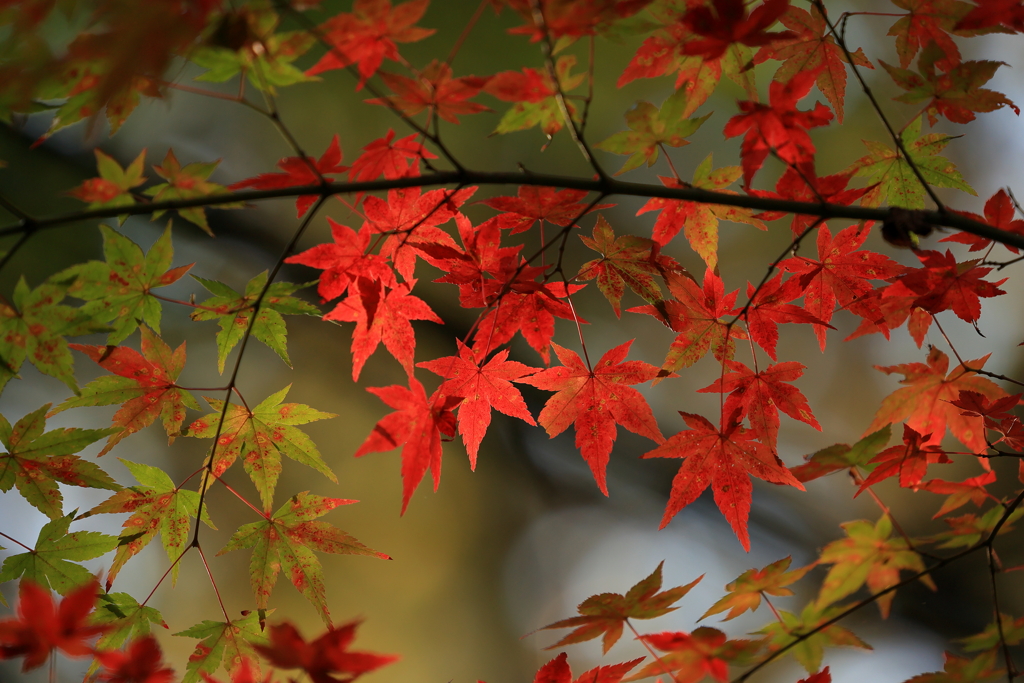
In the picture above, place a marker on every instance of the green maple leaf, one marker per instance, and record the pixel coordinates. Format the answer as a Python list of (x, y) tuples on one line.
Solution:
[(868, 555), (1008, 629), (966, 530), (52, 563), (260, 437), (268, 66), (842, 456), (627, 260), (810, 651), (286, 541), (157, 506), (35, 326), (35, 461), (118, 290), (114, 185), (142, 383), (650, 128), (978, 669), (233, 312), (226, 644), (606, 613), (187, 182), (746, 591), (894, 179), (127, 619)]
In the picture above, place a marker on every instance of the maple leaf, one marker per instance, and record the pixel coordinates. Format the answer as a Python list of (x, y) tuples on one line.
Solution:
[(416, 425), (286, 541), (594, 400), (260, 437), (41, 627), (978, 669), (233, 312), (605, 614), (894, 181), (36, 461), (534, 95), (118, 291), (482, 386), (558, 671), (841, 275), (142, 662), (142, 383), (695, 314), (326, 659), (697, 220), (924, 402), (124, 618), (1008, 13), (956, 94), (999, 213), (759, 396), (231, 644), (803, 185), (473, 269), (157, 506), (53, 562), (187, 182), (382, 315), (569, 20), (729, 23), (959, 493), (967, 530), (812, 48), (692, 656), (114, 185), (1011, 630), (868, 555), (769, 306), (626, 260), (536, 203), (942, 284), (433, 89), (928, 21), (389, 157), (344, 261), (367, 35), (299, 171), (778, 127), (746, 591), (651, 128), (908, 461), (34, 324), (842, 456), (809, 651), (721, 458)]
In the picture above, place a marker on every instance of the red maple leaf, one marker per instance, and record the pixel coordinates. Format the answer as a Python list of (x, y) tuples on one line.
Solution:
[(729, 23), (382, 314), (942, 284), (416, 425), (595, 400), (345, 261), (142, 662), (482, 258), (759, 396), (558, 671), (723, 459), (770, 306), (41, 626), (560, 207), (573, 18), (841, 274), (804, 186), (961, 492), (390, 158), (925, 402), (433, 89), (908, 461), (999, 213), (299, 171), (367, 35), (997, 415), (927, 21), (481, 386), (779, 126), (326, 659), (1008, 13)]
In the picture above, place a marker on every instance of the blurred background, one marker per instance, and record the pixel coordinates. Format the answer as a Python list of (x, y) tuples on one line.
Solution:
[(497, 553)]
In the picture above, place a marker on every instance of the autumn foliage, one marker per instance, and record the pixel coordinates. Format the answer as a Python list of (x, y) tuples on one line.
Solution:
[(521, 250)]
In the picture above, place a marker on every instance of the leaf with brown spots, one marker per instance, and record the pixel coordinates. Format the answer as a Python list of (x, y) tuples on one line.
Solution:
[(142, 383), (260, 436), (230, 644), (36, 461), (286, 540), (157, 506)]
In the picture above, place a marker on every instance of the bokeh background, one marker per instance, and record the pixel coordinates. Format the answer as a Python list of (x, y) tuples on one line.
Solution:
[(497, 553)]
